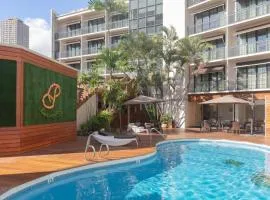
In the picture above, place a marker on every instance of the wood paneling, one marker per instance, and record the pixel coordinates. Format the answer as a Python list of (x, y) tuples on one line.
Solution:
[(22, 139)]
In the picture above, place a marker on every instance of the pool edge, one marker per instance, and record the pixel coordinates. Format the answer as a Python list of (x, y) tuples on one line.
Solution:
[(13, 191)]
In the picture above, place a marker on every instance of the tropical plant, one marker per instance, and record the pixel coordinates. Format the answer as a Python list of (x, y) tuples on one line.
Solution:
[(139, 49), (109, 7)]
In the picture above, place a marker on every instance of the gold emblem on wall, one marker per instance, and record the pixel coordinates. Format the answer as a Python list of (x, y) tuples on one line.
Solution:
[(49, 98)]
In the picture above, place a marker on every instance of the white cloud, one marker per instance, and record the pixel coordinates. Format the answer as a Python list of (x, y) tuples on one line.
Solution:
[(40, 35)]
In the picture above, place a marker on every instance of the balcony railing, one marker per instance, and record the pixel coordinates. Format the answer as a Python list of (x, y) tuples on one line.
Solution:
[(92, 50), (215, 54), (93, 29), (68, 33), (193, 2), (250, 12), (250, 48), (119, 24), (67, 54), (219, 21), (207, 86)]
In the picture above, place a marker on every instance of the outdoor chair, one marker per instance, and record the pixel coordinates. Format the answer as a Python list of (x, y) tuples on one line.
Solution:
[(205, 126), (236, 127)]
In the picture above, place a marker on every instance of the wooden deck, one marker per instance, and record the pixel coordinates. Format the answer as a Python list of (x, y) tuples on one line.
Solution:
[(20, 169)]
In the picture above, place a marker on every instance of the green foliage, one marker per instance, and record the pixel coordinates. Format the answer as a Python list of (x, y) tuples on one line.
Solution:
[(166, 119), (114, 95), (36, 83), (108, 5), (8, 93), (95, 123)]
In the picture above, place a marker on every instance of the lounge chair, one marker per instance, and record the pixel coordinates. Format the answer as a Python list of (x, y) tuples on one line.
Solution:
[(107, 141), (137, 129)]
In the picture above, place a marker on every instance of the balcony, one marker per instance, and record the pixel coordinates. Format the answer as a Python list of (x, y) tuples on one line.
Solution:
[(68, 34), (119, 24), (250, 48), (93, 29), (92, 51), (219, 21), (193, 2), (215, 54), (207, 86), (249, 13), (69, 54)]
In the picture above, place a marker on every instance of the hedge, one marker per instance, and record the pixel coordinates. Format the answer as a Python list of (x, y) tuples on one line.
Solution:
[(37, 81), (8, 73)]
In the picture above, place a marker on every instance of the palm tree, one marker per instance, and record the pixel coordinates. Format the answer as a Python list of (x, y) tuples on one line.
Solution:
[(109, 7)]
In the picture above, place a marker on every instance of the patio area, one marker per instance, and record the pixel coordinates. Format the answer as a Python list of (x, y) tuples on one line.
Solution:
[(17, 170)]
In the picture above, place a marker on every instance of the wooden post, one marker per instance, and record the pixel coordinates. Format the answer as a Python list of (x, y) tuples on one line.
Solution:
[(128, 114)]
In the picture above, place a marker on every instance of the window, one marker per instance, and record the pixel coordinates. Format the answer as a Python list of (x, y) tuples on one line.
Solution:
[(253, 77), (134, 24), (115, 40), (73, 49), (73, 29), (159, 9), (96, 25), (214, 81), (142, 13), (142, 23), (150, 2), (151, 11), (95, 46), (142, 3), (150, 21), (159, 19), (133, 4), (253, 42), (209, 19), (134, 14)]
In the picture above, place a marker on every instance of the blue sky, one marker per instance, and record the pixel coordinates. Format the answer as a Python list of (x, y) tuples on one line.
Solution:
[(37, 8)]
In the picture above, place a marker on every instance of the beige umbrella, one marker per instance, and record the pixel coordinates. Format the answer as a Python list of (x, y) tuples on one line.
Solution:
[(230, 99)]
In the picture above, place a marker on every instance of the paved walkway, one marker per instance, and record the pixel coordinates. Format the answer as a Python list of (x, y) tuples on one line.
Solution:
[(20, 169)]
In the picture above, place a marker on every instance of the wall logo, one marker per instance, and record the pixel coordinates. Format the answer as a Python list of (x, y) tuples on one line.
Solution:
[(49, 98)]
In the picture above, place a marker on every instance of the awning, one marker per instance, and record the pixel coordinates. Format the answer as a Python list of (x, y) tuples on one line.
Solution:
[(207, 70), (142, 100), (228, 99)]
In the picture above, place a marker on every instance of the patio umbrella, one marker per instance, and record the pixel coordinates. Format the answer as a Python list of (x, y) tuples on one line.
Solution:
[(229, 99)]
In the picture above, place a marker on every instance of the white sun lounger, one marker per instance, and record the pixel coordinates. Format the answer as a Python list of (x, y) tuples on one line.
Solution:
[(107, 141)]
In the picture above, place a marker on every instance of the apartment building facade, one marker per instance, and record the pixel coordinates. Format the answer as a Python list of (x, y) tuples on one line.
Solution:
[(78, 36), (13, 31), (238, 63)]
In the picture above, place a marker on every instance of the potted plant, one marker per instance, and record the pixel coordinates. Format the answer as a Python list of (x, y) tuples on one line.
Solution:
[(166, 120)]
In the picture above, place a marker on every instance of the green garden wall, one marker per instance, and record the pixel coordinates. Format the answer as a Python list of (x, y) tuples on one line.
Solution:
[(8, 73), (36, 83)]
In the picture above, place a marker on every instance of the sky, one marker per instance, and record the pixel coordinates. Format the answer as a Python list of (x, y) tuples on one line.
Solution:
[(36, 14)]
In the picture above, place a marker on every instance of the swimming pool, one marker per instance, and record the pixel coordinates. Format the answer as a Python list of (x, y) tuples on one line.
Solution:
[(187, 169)]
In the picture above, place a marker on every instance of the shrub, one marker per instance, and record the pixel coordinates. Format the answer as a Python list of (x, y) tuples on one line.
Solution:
[(95, 123), (166, 119)]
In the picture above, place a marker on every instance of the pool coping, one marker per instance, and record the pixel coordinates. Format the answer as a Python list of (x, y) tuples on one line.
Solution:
[(51, 176)]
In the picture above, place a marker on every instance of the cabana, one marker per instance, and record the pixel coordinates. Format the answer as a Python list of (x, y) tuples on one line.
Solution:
[(140, 100)]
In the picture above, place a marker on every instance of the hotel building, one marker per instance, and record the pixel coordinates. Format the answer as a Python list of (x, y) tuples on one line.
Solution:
[(13, 31), (238, 64), (78, 36)]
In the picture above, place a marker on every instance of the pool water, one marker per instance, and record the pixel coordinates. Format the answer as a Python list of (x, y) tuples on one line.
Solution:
[(179, 170)]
